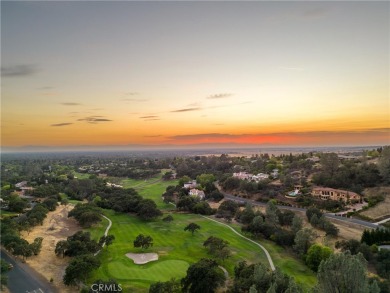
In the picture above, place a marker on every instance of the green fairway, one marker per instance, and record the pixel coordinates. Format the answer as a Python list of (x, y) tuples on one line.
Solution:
[(176, 248), (151, 188)]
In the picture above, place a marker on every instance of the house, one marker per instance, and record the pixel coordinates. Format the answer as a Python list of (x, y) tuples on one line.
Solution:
[(191, 184), (242, 175), (21, 184), (275, 173), (197, 193), (113, 185), (335, 194)]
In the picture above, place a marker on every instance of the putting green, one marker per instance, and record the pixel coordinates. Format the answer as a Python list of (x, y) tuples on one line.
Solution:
[(160, 271)]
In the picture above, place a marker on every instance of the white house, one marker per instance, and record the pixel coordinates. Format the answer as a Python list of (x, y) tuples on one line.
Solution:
[(191, 184), (197, 193)]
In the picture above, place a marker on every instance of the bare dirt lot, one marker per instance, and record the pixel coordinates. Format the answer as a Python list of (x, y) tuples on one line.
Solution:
[(57, 226), (382, 209)]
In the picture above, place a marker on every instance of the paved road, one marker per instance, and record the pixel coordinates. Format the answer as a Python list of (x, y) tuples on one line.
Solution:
[(328, 215), (23, 279)]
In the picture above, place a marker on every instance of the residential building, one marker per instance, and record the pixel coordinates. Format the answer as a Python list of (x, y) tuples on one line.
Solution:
[(197, 193), (335, 194)]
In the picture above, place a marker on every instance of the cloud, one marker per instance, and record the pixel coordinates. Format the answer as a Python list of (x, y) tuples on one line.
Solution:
[(134, 100), (153, 119), (61, 124), (282, 136), (186, 110), (94, 119), (149, 117), (219, 96), (71, 104), (19, 70), (153, 135), (131, 93)]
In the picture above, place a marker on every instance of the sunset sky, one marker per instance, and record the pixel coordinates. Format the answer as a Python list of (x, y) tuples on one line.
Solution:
[(186, 73)]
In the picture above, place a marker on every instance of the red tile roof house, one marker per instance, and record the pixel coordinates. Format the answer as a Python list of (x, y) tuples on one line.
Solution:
[(336, 194)]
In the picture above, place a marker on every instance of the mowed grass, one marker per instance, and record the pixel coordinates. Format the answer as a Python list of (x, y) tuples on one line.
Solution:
[(152, 188), (290, 265), (176, 248)]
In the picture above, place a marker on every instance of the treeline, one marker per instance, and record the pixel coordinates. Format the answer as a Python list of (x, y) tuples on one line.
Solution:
[(11, 228), (81, 248), (352, 175), (127, 201), (378, 236)]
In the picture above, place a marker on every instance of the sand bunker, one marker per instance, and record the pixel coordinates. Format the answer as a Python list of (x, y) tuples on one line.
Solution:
[(142, 258)]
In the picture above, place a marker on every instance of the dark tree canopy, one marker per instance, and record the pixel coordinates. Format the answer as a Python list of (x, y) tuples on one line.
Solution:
[(203, 276), (143, 241), (192, 227)]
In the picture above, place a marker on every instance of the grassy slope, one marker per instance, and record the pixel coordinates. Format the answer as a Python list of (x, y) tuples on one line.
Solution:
[(176, 248)]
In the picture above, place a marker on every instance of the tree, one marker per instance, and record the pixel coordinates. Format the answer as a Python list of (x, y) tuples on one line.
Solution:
[(168, 219), (143, 241), (303, 240), (310, 212), (61, 247), (36, 245), (204, 179), (106, 240), (384, 164), (296, 224), (271, 213), (343, 272), (147, 210), (383, 263), (192, 227), (316, 254), (330, 163), (203, 276), (79, 269), (215, 244), (171, 286)]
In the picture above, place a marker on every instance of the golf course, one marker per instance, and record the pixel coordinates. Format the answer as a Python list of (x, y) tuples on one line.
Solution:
[(176, 248)]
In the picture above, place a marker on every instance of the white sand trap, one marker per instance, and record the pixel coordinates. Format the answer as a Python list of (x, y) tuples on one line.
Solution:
[(142, 258)]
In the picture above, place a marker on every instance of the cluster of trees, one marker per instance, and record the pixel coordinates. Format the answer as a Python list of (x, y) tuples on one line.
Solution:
[(352, 175), (82, 248), (194, 205), (86, 214), (128, 201), (259, 278), (20, 247), (378, 259), (4, 268), (137, 172), (10, 232), (78, 244), (377, 236), (318, 220)]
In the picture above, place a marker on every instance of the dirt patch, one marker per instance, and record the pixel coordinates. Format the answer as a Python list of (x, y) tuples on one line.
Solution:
[(57, 226), (142, 258)]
